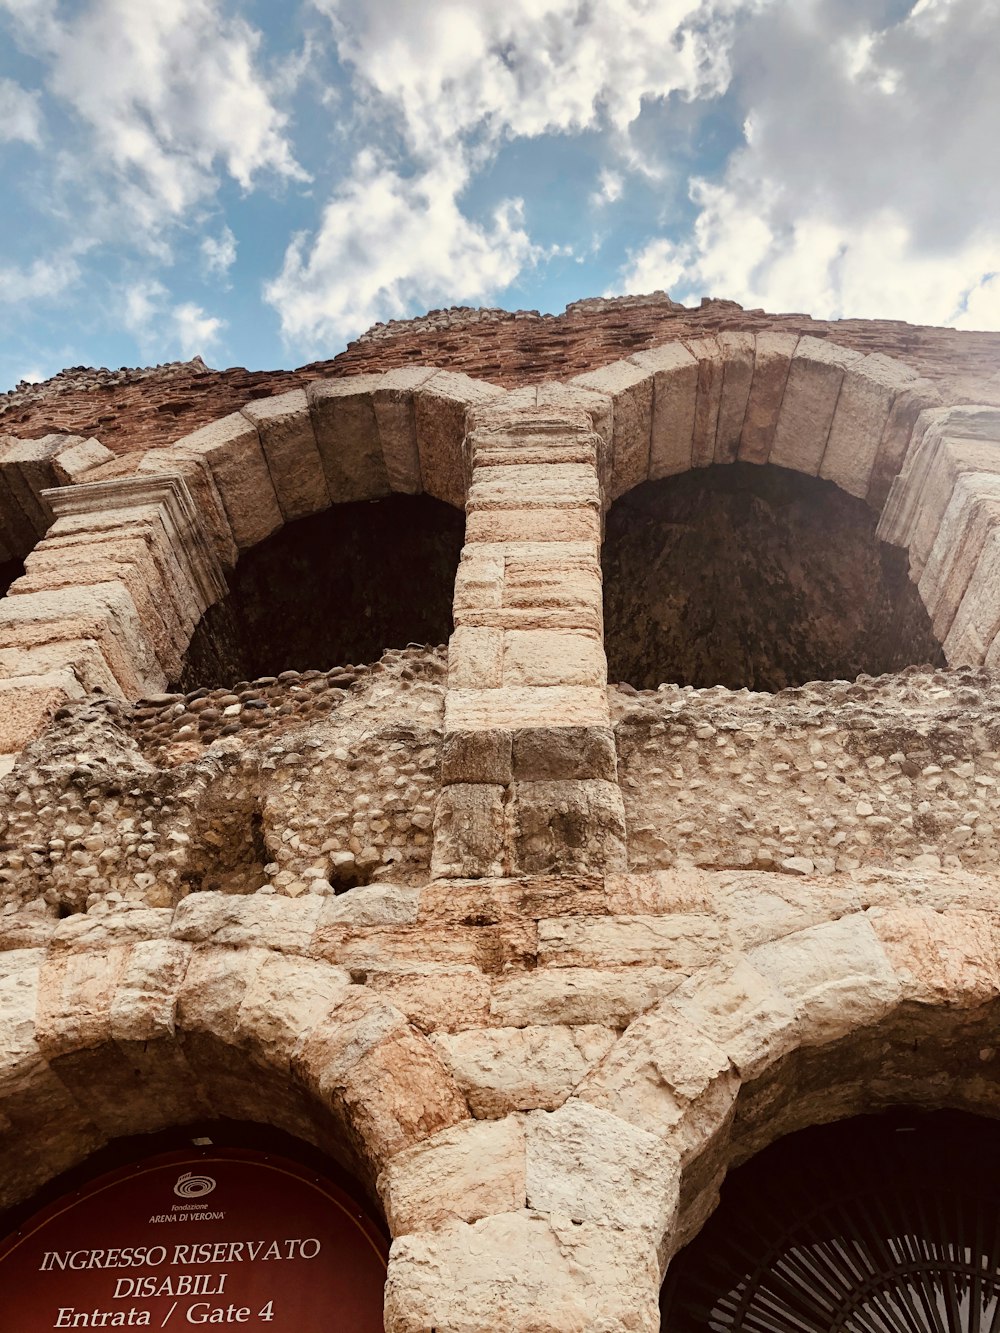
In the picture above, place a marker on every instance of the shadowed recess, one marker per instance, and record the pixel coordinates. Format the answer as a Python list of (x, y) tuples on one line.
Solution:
[(9, 571), (341, 586), (887, 1223), (756, 577)]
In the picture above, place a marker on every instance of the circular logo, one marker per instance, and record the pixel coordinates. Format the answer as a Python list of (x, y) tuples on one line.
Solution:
[(190, 1186)]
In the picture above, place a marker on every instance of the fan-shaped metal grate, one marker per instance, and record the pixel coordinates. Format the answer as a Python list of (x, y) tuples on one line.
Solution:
[(876, 1225)]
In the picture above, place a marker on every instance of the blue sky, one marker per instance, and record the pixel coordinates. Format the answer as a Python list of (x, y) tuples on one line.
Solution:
[(261, 180)]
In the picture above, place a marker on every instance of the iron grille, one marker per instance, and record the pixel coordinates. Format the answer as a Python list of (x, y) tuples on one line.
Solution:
[(875, 1225)]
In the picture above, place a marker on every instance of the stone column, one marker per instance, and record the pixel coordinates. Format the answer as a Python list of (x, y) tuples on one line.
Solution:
[(529, 771)]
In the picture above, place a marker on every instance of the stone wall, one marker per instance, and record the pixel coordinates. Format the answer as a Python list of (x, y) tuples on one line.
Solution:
[(535, 959)]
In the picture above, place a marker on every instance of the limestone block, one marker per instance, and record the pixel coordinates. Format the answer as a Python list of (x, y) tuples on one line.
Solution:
[(837, 975), (28, 702), (469, 830), (28, 468), (568, 826), (581, 523), (475, 658), (772, 359), (213, 988), (471, 1170), (860, 420), (742, 1012), (397, 426), (81, 658), (815, 377), (435, 997), (75, 994), (912, 399), (591, 1166), (347, 436), (287, 924), (667, 1078), (526, 706), (144, 1005), (711, 370), (680, 942), (394, 1096), (953, 457), (195, 474), (440, 407), (537, 584), (523, 1274), (103, 611), (598, 407), (534, 486), (630, 389), (940, 958), (373, 905), (231, 448), (77, 457), (521, 1069), (977, 620), (973, 510), (553, 657), (477, 757), (478, 581), (140, 577), (285, 427), (572, 995), (551, 754), (284, 1000), (738, 357), (675, 392)]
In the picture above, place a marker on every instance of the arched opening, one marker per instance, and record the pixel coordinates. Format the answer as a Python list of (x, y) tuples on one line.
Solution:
[(336, 588), (755, 576), (878, 1224)]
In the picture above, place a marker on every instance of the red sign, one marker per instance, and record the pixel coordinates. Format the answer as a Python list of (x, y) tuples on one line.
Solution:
[(193, 1241)]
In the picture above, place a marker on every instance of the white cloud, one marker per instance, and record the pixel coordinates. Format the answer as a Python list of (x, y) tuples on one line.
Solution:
[(40, 281), (862, 189), (609, 188), (164, 331), (169, 93), (386, 242), (219, 252), (20, 114)]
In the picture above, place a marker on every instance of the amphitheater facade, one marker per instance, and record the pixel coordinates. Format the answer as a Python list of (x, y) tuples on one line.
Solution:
[(322, 812)]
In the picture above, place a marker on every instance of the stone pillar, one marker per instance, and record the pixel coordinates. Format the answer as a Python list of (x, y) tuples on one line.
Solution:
[(529, 771)]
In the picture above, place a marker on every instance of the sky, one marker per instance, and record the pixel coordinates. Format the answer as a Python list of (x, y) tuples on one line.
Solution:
[(259, 181)]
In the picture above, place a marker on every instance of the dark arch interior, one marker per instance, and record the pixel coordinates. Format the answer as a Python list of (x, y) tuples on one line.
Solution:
[(757, 577), (9, 571), (338, 587), (881, 1224)]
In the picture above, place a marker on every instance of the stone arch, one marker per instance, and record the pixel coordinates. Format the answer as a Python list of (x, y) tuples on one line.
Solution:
[(869, 424), (887, 1006), (133, 1030)]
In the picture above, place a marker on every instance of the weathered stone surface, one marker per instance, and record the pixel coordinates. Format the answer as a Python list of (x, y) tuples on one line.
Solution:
[(440, 407), (525, 1274), (436, 997), (566, 826), (972, 513), (77, 457), (469, 1171), (590, 1166), (837, 976), (915, 397), (347, 436), (940, 958), (28, 702), (679, 942), (552, 657), (521, 1069), (711, 370), (397, 426), (815, 377), (860, 421), (738, 356), (675, 391), (287, 437), (606, 996), (469, 831), (231, 448), (630, 389), (772, 358), (742, 1012)]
